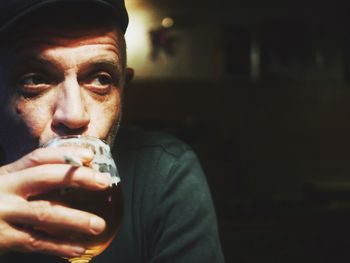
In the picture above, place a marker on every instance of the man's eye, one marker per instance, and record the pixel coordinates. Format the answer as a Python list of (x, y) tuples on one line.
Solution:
[(33, 80), (101, 80), (100, 83), (33, 84)]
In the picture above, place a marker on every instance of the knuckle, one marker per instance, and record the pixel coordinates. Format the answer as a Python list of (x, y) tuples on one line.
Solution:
[(37, 243), (35, 156), (33, 243), (41, 210)]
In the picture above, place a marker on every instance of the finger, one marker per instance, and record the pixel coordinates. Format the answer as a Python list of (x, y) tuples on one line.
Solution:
[(48, 155), (55, 219), (40, 179), (24, 240)]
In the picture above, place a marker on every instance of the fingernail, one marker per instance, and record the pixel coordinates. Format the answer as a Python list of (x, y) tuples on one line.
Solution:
[(97, 225), (79, 250), (103, 179), (72, 160)]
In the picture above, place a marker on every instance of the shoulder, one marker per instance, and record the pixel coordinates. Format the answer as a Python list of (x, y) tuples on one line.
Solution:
[(154, 157), (135, 139), (165, 193)]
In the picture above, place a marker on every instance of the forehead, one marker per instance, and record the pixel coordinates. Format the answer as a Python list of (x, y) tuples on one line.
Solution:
[(41, 38), (67, 47), (40, 42)]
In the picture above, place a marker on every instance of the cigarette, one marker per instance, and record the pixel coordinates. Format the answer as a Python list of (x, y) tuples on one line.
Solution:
[(68, 159)]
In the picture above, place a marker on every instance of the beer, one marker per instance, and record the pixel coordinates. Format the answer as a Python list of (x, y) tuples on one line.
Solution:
[(106, 204)]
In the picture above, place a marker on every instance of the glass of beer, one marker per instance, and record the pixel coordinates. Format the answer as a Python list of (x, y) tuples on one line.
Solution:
[(106, 203)]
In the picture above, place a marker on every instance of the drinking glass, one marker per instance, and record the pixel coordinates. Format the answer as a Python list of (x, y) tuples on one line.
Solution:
[(106, 204)]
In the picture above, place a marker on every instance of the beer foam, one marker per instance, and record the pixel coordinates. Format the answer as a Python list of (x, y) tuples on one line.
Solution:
[(102, 161)]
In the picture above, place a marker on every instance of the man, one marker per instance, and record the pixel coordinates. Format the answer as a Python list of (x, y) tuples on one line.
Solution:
[(62, 72)]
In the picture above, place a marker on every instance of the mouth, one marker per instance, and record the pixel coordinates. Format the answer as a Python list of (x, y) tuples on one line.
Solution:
[(62, 131), (66, 131)]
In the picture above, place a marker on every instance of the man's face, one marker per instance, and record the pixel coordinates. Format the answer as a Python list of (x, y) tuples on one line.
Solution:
[(56, 85)]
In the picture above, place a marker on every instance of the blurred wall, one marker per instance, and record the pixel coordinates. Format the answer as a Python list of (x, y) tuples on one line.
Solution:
[(260, 90)]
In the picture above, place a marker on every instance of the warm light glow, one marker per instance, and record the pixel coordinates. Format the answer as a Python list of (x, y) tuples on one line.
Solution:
[(137, 34), (145, 17), (167, 22)]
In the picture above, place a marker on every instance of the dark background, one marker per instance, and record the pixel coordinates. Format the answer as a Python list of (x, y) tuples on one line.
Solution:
[(272, 134)]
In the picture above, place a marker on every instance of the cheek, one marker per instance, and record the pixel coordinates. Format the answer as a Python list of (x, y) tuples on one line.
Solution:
[(34, 114), (104, 114), (112, 106)]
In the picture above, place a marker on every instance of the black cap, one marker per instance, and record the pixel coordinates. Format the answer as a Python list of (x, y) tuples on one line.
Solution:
[(12, 10)]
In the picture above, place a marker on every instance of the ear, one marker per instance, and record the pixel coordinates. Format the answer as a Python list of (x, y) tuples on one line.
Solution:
[(129, 75)]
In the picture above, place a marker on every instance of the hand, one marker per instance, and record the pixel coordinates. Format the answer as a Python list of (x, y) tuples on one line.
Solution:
[(40, 171)]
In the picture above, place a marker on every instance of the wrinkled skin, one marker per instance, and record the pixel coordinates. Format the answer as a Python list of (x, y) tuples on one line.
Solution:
[(53, 85)]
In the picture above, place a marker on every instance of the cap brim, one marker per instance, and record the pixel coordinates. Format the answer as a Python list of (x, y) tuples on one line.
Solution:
[(121, 15)]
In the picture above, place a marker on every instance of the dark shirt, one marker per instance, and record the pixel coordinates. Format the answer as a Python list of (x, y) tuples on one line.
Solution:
[(168, 211)]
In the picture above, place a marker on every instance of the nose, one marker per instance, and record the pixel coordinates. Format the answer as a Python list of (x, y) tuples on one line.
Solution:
[(70, 114)]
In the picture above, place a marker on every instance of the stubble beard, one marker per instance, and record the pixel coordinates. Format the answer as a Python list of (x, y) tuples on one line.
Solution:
[(111, 137)]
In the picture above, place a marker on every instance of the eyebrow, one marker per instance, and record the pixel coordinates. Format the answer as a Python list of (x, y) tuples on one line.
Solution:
[(22, 61), (19, 64), (103, 63)]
